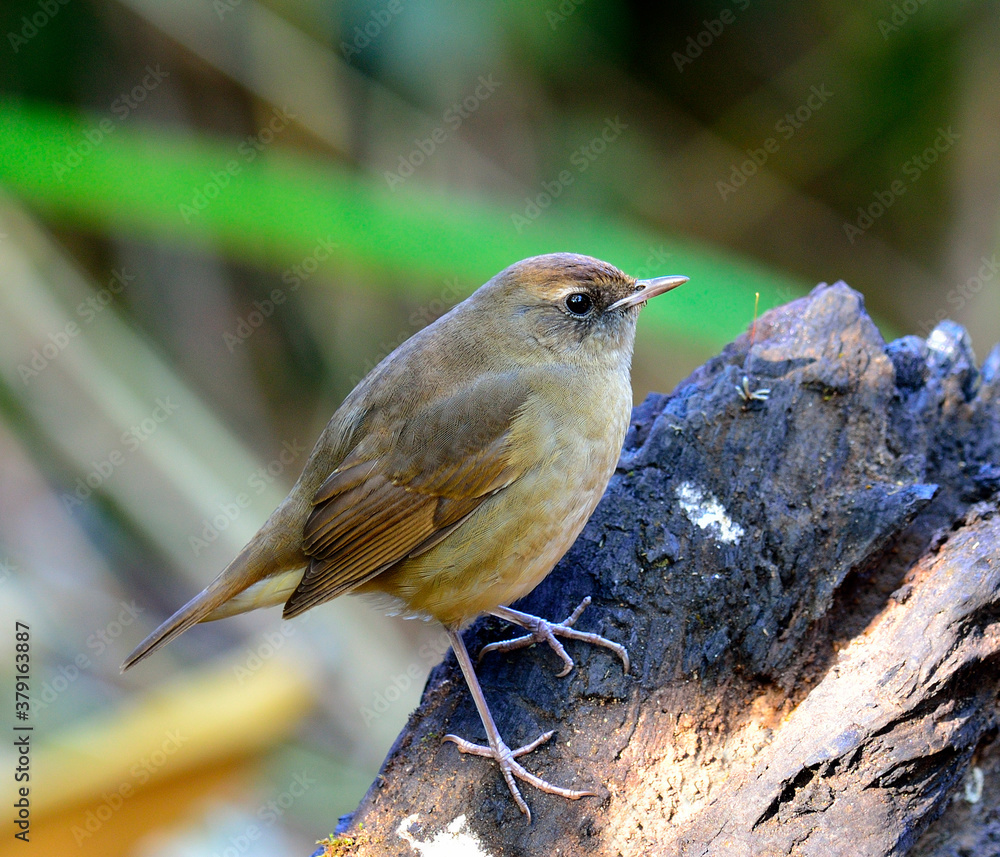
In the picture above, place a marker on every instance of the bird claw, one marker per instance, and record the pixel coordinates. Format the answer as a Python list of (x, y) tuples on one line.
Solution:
[(542, 631), (496, 748), (504, 757)]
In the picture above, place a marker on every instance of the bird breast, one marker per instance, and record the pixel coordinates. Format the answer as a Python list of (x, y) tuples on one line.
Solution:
[(514, 538)]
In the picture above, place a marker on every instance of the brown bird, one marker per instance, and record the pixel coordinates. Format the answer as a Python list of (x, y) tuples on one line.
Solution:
[(459, 471)]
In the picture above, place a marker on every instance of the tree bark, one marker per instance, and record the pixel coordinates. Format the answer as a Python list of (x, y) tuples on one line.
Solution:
[(808, 583)]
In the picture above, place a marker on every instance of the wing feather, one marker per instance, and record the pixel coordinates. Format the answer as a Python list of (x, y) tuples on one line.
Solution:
[(405, 487)]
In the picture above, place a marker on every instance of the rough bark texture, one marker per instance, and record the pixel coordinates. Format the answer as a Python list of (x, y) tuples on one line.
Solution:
[(809, 587)]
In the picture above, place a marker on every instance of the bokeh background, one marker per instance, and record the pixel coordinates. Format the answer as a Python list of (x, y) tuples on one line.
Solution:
[(217, 215)]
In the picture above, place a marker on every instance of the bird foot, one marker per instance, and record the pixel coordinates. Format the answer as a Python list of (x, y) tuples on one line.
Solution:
[(543, 631), (504, 757)]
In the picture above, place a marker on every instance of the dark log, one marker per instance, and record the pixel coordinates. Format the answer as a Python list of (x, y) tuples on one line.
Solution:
[(809, 587)]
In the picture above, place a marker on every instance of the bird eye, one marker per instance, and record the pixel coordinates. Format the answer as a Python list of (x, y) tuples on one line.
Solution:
[(579, 303)]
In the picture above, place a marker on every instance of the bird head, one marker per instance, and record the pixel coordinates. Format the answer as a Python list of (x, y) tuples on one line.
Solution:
[(569, 308)]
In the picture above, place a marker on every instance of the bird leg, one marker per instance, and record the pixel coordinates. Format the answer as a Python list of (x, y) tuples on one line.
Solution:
[(542, 631), (497, 749)]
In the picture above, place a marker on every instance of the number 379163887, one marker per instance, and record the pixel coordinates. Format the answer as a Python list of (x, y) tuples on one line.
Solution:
[(22, 669)]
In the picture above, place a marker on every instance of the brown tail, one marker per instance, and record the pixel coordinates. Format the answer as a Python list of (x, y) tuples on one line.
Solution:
[(252, 564), (190, 614)]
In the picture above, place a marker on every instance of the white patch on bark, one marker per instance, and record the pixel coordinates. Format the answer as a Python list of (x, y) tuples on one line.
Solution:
[(456, 840), (705, 511)]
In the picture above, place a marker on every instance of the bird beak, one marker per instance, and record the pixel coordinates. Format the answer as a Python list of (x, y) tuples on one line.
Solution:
[(649, 289)]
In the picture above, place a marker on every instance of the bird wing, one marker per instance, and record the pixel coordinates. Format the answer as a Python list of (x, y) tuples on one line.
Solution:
[(407, 484)]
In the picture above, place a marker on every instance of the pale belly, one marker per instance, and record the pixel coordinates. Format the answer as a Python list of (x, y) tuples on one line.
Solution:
[(507, 546)]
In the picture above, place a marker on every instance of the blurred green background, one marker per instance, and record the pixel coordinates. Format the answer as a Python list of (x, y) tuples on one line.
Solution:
[(217, 215)]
